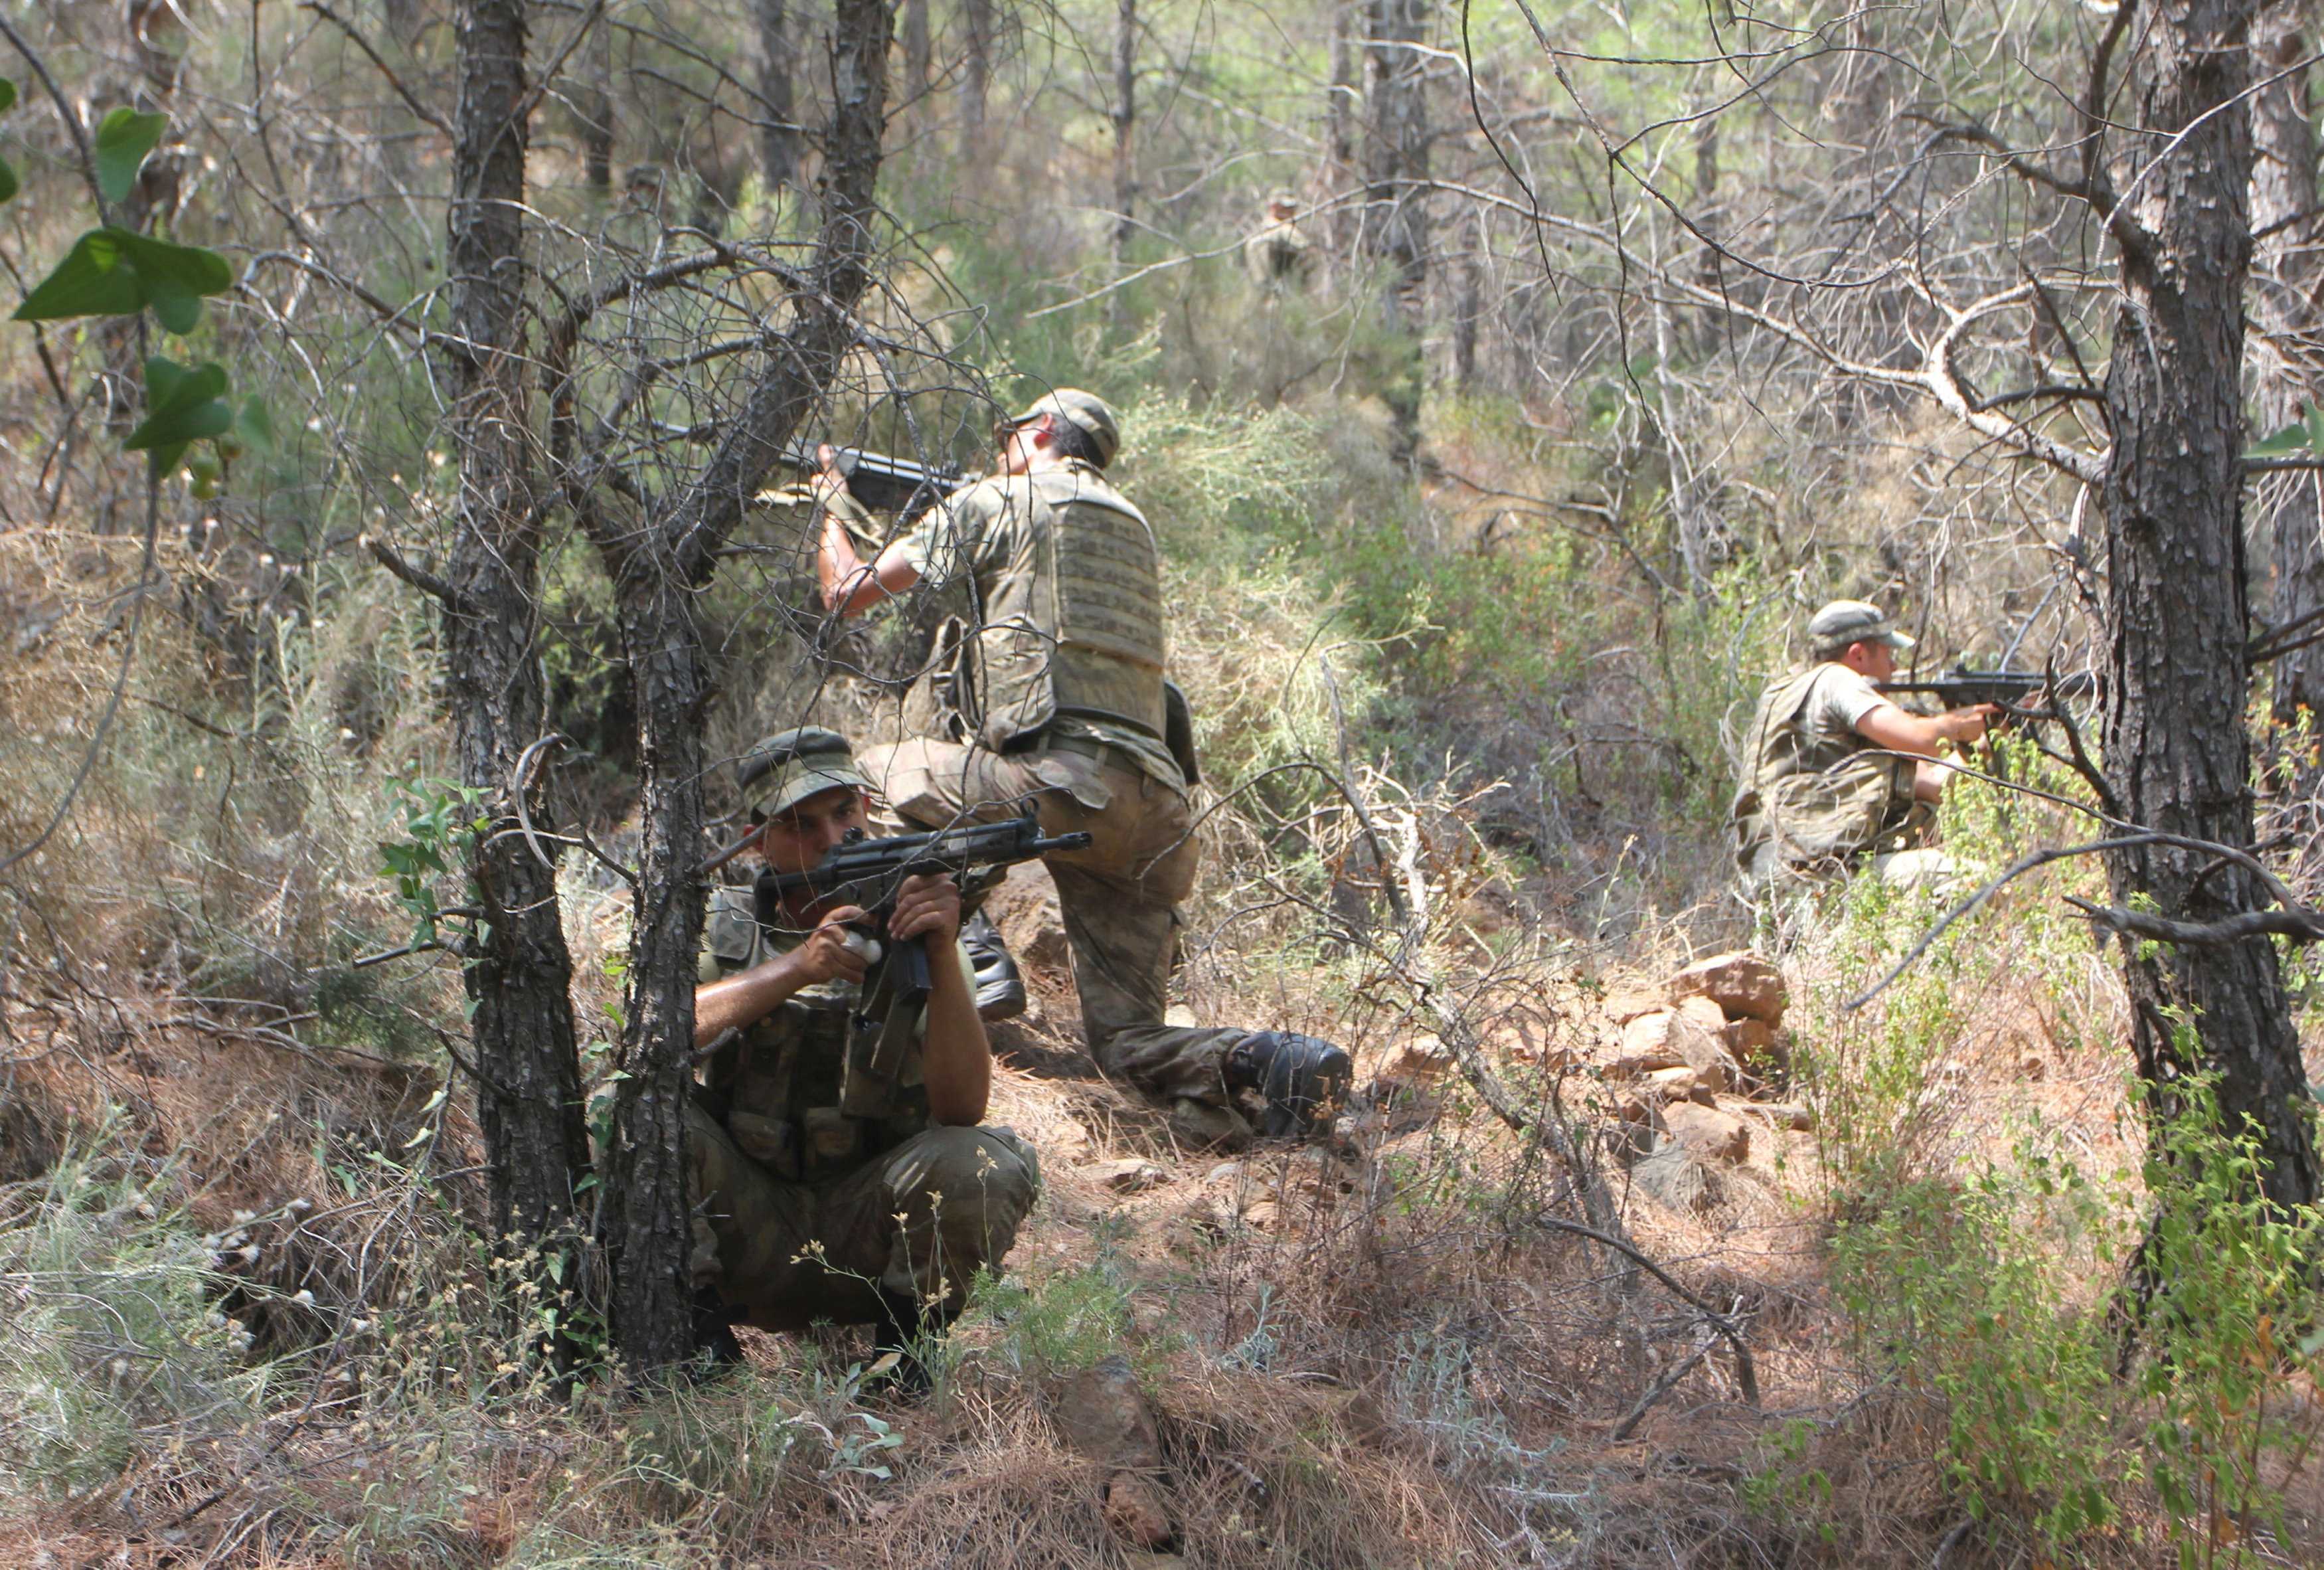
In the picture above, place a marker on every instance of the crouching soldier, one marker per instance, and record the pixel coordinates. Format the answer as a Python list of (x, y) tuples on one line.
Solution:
[(813, 1204)]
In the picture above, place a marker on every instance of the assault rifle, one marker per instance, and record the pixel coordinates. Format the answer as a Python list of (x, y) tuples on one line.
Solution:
[(2012, 689), (881, 483), (869, 872)]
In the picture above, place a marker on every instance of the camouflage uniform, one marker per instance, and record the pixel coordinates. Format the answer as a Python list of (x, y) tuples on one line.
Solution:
[(804, 1214), (1056, 697), (1279, 251), (1814, 797)]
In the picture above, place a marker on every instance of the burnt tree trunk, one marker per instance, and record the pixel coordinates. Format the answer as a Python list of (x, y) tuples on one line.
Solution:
[(2177, 755), (1395, 168), (659, 555), (529, 1102), (2284, 278)]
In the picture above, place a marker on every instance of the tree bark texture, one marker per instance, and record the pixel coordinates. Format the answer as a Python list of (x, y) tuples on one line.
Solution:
[(597, 109), (1396, 169), (779, 138), (1341, 110), (2177, 752), (975, 73), (2284, 357), (660, 556), (1396, 151), (1125, 128), (529, 1104), (914, 20)]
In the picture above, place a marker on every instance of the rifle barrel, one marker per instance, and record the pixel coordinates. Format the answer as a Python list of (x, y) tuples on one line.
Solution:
[(880, 481)]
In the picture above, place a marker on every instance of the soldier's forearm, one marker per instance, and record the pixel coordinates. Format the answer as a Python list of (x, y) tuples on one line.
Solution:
[(743, 1001), (956, 1059)]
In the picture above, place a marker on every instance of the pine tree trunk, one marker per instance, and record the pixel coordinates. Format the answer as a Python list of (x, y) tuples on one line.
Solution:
[(914, 18), (1125, 126), (597, 110), (1340, 115), (2284, 279), (530, 1104), (779, 141), (2177, 752), (658, 565), (1396, 209), (975, 74)]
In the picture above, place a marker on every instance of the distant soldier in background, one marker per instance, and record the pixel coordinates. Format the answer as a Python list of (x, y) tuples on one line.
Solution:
[(1822, 790), (1278, 254), (1057, 700)]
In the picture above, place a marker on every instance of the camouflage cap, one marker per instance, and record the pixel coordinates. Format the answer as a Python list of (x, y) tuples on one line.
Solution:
[(1845, 621), (789, 766), (1087, 411), (1283, 197)]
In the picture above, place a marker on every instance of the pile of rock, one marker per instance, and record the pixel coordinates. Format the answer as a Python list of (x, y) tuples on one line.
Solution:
[(1712, 1030)]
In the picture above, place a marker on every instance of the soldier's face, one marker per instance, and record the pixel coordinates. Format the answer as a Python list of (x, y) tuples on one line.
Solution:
[(797, 838), (1877, 661), (1020, 443)]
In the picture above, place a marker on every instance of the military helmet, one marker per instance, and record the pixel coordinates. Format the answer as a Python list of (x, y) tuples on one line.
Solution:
[(1845, 621), (789, 766), (1086, 412)]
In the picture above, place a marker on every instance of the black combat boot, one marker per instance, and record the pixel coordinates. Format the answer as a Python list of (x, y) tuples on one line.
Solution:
[(1304, 1079), (999, 987), (716, 1347), (906, 1326)]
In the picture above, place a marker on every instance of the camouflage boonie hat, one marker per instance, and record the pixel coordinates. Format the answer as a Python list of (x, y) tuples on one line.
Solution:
[(789, 766), (1845, 621), (1087, 411)]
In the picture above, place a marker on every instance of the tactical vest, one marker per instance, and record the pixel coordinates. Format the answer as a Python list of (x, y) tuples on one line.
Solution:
[(1074, 625), (785, 1091), (1807, 798)]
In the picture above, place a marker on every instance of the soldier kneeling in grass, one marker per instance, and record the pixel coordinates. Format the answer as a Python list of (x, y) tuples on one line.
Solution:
[(1835, 775), (875, 1214)]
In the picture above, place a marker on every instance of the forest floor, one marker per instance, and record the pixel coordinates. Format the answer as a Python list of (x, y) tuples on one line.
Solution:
[(1387, 1349)]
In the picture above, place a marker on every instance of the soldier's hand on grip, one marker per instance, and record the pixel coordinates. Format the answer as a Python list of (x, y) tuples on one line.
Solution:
[(827, 955), (926, 907)]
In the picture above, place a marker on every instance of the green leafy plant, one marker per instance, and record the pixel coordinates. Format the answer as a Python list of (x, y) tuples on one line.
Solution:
[(440, 828), (124, 138), (117, 272), (2230, 1326)]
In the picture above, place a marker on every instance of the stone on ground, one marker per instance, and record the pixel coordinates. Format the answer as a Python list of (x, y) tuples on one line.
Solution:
[(1740, 983), (1708, 1133), (1135, 1511), (1675, 1179), (1105, 1418), (1131, 1175), (1672, 1040)]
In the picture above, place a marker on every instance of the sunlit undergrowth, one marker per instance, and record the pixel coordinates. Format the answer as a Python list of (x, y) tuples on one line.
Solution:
[(2108, 1345)]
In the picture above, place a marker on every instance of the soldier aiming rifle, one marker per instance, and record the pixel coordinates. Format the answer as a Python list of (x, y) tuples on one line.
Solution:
[(841, 1169), (1055, 703), (1835, 775)]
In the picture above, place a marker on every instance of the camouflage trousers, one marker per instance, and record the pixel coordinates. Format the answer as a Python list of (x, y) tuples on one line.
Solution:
[(1118, 897), (920, 1221)]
